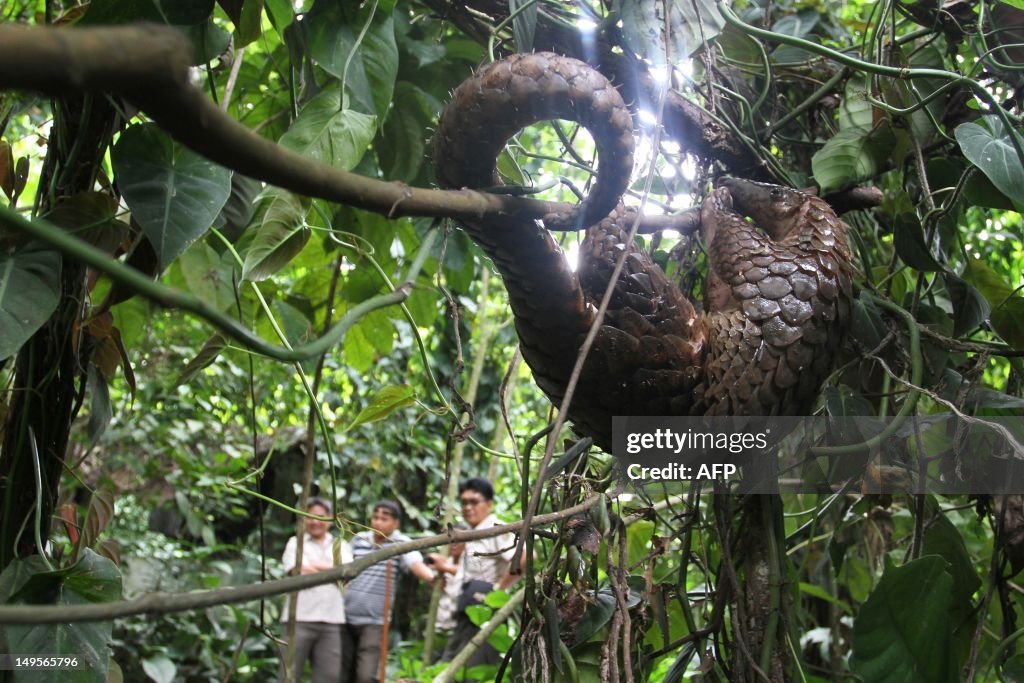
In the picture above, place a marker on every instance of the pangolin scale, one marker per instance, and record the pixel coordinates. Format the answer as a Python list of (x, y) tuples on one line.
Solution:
[(777, 297)]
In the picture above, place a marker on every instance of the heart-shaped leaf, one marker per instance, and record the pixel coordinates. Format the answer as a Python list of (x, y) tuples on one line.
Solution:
[(367, 62), (174, 194), (851, 155), (93, 579), (29, 292), (326, 132), (903, 631), (990, 148), (970, 308), (282, 234)]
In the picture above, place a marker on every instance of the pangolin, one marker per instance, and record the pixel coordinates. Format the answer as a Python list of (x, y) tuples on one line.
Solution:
[(777, 294)]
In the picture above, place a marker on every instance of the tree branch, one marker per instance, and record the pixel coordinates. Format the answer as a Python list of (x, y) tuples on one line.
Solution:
[(168, 603), (148, 65)]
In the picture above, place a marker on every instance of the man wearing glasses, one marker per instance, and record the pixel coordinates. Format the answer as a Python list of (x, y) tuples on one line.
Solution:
[(483, 567)]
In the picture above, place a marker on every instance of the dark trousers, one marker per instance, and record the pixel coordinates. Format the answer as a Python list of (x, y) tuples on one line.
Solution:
[(360, 653), (320, 642), (463, 633)]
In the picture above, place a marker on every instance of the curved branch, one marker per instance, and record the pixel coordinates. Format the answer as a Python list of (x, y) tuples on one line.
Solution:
[(148, 65), (172, 298), (168, 603)]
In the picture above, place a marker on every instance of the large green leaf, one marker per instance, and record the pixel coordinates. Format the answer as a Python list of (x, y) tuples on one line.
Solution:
[(29, 292), (903, 633), (160, 668), (368, 67), (852, 155), (326, 132), (174, 194), (208, 275), (855, 111), (282, 234), (908, 240), (401, 145), (1007, 315), (93, 579), (989, 148), (90, 216), (689, 25)]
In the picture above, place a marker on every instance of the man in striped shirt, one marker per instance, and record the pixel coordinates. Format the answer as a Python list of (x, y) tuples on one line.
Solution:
[(367, 594)]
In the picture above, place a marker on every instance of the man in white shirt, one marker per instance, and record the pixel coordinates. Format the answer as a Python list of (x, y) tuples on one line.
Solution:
[(319, 611), (484, 566)]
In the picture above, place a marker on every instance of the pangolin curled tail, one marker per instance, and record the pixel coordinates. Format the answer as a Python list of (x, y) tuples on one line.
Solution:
[(776, 298)]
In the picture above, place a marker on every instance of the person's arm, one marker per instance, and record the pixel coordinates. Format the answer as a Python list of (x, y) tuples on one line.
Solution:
[(422, 572), (288, 560), (442, 564)]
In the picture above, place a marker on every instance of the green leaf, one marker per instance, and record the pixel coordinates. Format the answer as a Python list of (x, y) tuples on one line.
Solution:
[(822, 594), (524, 25), (852, 155), (208, 275), (100, 409), (855, 111), (987, 281), (401, 147), (903, 632), (248, 28), (293, 322), (1019, 4), (943, 539), (689, 25), (385, 402), (368, 67), (798, 25), (29, 292), (281, 13), (908, 240), (868, 328), (497, 599), (969, 307), (174, 194), (1008, 321), (326, 132), (206, 356), (597, 614), (160, 668), (379, 331), (989, 148), (282, 234), (638, 542), (97, 518), (90, 216), (93, 579), (422, 304), (1007, 316), (209, 41)]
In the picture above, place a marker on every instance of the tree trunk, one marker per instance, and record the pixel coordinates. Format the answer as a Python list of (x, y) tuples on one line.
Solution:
[(51, 369)]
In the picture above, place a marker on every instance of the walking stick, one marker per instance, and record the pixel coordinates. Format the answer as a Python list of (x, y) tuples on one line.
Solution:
[(383, 669)]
